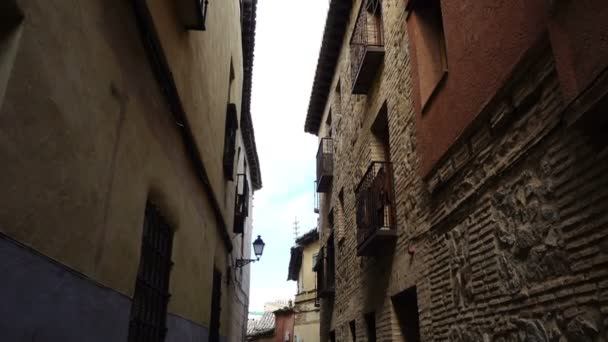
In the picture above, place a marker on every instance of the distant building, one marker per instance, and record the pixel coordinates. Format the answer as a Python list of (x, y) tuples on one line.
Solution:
[(128, 165), (462, 170), (276, 305), (274, 326), (304, 257), (261, 329)]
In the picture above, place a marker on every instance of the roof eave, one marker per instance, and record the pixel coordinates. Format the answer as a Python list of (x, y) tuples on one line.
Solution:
[(333, 36)]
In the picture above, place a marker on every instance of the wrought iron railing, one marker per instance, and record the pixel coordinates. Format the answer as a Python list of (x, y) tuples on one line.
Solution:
[(316, 200), (325, 270), (374, 200), (325, 161), (368, 32)]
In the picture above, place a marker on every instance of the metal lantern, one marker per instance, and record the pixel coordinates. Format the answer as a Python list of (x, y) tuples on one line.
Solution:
[(258, 247)]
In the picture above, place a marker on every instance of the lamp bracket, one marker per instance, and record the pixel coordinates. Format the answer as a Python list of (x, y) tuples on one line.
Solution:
[(242, 262)]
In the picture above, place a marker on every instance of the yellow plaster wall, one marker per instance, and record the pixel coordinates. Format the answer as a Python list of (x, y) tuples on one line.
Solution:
[(307, 276), (86, 138), (200, 63)]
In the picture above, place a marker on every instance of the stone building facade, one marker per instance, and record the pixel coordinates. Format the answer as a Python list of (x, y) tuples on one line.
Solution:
[(128, 167), (303, 260), (462, 170)]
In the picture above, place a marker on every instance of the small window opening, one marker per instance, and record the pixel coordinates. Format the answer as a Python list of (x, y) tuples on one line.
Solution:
[(370, 325), (216, 302), (353, 331), (231, 128), (332, 336), (406, 309), (429, 42), (341, 224), (338, 99), (381, 139)]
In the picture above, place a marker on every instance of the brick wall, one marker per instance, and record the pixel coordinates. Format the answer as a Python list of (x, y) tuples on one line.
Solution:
[(510, 232)]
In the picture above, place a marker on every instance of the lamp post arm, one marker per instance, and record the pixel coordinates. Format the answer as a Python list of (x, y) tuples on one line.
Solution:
[(242, 262)]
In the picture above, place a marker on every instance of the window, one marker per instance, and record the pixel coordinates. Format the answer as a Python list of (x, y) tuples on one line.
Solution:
[(216, 298), (193, 13), (338, 99), (230, 141), (231, 78), (406, 309), (370, 325), (314, 260), (353, 331), (241, 203), (341, 224), (149, 308), (374, 193), (11, 18), (332, 336), (425, 25)]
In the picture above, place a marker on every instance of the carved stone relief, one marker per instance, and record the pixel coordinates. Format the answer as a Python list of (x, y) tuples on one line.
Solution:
[(460, 265), (527, 234), (584, 326)]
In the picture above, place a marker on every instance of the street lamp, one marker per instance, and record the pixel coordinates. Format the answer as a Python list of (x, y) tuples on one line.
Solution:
[(258, 249)]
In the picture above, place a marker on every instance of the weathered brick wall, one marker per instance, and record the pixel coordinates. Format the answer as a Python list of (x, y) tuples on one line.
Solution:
[(510, 231)]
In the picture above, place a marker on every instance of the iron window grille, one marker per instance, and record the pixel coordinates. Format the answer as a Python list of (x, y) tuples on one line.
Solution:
[(241, 203), (148, 319), (325, 269)]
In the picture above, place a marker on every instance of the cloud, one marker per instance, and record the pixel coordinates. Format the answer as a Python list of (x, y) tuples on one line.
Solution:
[(288, 38)]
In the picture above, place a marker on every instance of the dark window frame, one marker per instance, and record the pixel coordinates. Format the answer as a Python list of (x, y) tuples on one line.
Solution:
[(241, 203), (216, 307), (370, 326), (148, 317), (230, 133), (428, 18)]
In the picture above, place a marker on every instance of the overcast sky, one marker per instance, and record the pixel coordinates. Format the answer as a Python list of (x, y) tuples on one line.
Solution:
[(288, 38)]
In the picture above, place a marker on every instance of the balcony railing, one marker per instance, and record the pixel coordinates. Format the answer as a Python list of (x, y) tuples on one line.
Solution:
[(325, 165), (316, 199), (325, 269), (374, 200), (366, 46), (241, 203)]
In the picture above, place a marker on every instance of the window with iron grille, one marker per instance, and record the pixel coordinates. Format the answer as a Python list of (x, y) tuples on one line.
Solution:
[(230, 141), (149, 308), (241, 205)]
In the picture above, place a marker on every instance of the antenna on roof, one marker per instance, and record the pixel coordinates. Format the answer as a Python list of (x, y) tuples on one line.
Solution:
[(296, 228)]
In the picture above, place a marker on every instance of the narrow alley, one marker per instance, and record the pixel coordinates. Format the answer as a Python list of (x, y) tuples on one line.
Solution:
[(434, 170)]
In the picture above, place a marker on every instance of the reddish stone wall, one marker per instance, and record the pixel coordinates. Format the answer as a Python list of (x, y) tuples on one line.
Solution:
[(283, 325), (484, 41), (579, 35)]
